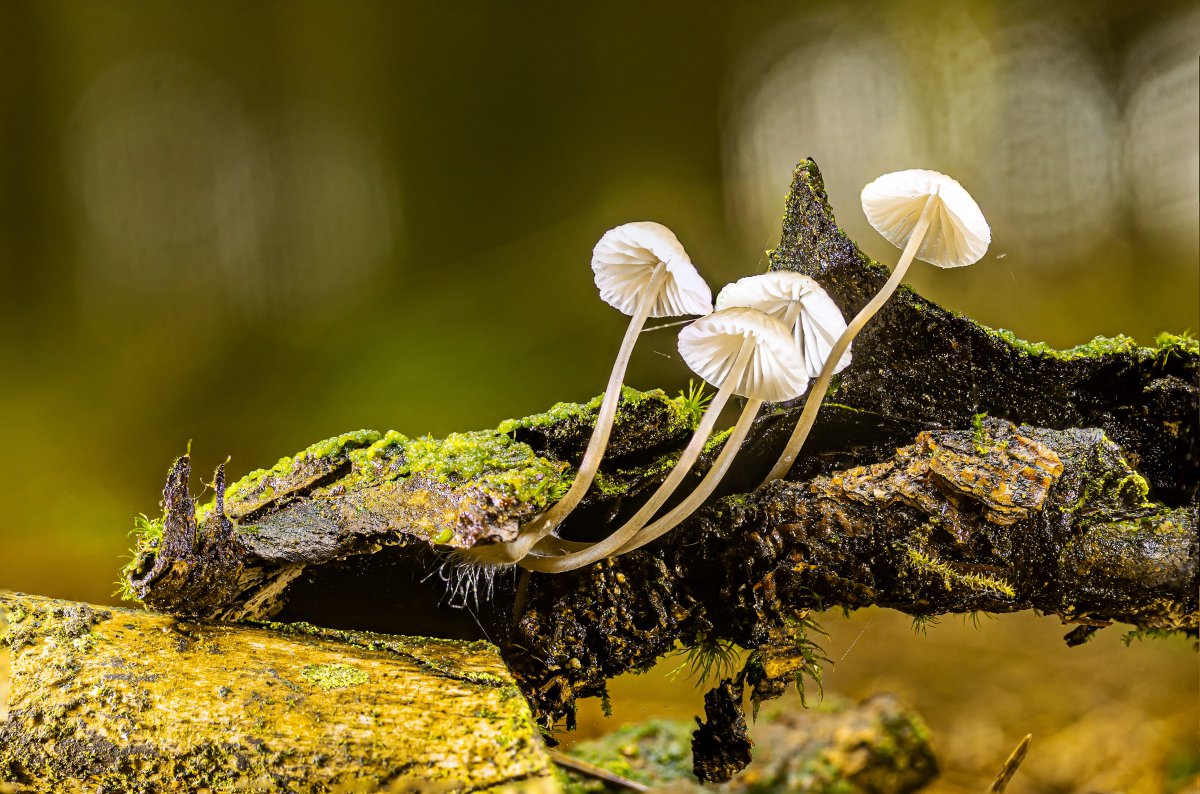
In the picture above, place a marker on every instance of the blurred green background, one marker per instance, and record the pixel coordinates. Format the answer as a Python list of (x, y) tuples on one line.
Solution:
[(255, 225)]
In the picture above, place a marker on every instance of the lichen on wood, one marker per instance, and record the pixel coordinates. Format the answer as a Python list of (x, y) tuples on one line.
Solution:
[(117, 700)]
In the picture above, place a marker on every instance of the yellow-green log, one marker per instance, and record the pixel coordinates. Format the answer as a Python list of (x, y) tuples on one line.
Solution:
[(99, 699)]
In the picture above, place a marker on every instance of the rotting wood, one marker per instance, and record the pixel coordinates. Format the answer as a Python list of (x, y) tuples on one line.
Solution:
[(956, 468), (117, 700)]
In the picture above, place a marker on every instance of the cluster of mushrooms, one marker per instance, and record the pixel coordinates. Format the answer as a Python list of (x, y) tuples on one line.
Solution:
[(768, 338)]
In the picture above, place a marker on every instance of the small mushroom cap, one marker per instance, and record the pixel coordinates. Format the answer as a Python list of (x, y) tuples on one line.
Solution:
[(817, 326), (624, 261), (710, 346), (958, 233)]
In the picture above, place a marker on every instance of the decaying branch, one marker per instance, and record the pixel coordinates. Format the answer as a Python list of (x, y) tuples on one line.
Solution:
[(998, 519), (956, 468), (117, 700)]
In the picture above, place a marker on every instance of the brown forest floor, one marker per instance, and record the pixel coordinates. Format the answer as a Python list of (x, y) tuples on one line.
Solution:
[(1104, 717)]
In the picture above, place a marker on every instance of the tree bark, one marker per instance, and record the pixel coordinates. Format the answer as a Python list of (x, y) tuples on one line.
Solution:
[(117, 700)]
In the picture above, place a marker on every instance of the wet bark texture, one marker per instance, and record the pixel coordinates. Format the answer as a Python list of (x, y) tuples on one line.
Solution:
[(955, 468), (116, 700)]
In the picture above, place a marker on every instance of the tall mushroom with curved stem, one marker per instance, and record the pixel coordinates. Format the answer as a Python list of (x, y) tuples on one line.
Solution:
[(933, 219), (815, 323), (642, 270), (742, 351)]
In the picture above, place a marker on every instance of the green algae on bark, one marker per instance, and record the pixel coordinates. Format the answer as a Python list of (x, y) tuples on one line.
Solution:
[(154, 704)]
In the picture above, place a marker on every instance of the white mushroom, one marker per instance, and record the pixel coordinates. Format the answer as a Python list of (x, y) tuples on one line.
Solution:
[(815, 323), (801, 304), (625, 261), (712, 345), (642, 270), (741, 351), (932, 218), (957, 234)]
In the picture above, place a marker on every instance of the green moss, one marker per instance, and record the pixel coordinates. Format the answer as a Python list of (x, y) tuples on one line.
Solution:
[(695, 401), (334, 676), (1182, 343), (147, 534), (683, 407), (926, 563), (1099, 346), (717, 440), (315, 460), (1099, 492), (1134, 488), (710, 659), (980, 436), (147, 530), (491, 460), (655, 752), (609, 485), (922, 623), (1148, 634)]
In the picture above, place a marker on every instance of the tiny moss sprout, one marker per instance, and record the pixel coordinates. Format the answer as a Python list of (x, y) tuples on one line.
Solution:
[(147, 534), (932, 218), (742, 351), (922, 623), (695, 400), (812, 654), (642, 270), (711, 658)]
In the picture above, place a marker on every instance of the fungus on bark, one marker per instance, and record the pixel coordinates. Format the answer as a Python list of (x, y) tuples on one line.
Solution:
[(742, 351), (931, 217), (815, 323), (801, 304), (642, 270)]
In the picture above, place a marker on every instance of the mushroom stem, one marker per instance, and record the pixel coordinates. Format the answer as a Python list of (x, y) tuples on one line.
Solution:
[(548, 521), (718, 470), (789, 319), (817, 393), (697, 497), (608, 546)]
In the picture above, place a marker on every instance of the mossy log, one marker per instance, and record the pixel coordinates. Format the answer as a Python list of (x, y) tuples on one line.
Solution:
[(116, 700), (955, 468)]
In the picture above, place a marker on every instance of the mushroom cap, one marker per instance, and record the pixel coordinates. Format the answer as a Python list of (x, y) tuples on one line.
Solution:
[(817, 326), (958, 233), (775, 372), (624, 261)]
